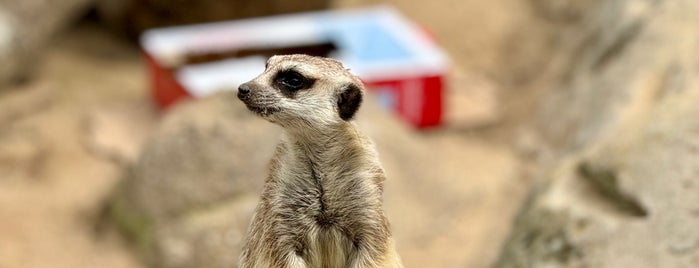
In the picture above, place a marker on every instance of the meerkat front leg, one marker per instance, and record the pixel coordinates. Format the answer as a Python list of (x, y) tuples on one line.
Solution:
[(295, 261), (375, 252), (365, 258)]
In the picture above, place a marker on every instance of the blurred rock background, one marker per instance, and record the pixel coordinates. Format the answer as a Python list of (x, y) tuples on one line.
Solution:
[(570, 141), (620, 187)]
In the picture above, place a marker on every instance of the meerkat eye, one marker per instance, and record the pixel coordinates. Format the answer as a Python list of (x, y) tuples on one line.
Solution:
[(291, 80)]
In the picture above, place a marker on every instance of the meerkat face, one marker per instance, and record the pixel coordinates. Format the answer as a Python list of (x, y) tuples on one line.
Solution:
[(296, 89)]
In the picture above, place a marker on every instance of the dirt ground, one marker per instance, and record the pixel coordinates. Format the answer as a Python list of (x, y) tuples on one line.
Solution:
[(54, 173)]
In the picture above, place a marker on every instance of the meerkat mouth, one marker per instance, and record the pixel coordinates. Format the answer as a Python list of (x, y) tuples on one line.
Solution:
[(263, 111)]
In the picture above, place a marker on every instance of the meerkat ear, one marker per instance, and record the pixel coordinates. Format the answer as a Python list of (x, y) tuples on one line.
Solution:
[(349, 100)]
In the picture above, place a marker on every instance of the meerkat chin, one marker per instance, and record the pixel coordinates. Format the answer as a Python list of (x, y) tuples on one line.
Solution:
[(321, 205)]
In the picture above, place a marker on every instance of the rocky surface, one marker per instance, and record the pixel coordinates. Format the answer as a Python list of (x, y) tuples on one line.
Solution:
[(624, 127)]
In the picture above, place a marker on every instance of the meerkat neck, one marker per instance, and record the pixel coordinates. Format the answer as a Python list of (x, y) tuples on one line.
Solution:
[(334, 154), (327, 137)]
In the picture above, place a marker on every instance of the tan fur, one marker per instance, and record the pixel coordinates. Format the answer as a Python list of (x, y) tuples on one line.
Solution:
[(322, 203)]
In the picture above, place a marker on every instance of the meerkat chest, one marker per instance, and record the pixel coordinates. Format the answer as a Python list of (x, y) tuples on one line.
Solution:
[(326, 191), (304, 184), (313, 203)]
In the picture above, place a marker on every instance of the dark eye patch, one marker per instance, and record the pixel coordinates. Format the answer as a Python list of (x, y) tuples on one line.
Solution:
[(290, 81)]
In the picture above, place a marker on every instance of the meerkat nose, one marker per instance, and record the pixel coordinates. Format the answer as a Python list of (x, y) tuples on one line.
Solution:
[(243, 91)]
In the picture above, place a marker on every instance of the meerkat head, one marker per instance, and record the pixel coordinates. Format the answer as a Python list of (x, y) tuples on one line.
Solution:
[(298, 90)]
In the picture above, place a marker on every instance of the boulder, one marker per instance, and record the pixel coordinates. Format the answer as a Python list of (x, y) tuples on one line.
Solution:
[(187, 201), (623, 132)]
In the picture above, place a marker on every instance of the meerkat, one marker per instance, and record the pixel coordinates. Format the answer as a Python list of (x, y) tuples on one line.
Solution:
[(321, 205)]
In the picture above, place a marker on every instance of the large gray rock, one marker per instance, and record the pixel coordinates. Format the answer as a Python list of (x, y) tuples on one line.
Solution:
[(188, 199), (625, 126)]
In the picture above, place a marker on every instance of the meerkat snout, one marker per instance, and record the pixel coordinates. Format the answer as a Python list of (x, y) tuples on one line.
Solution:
[(299, 88)]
